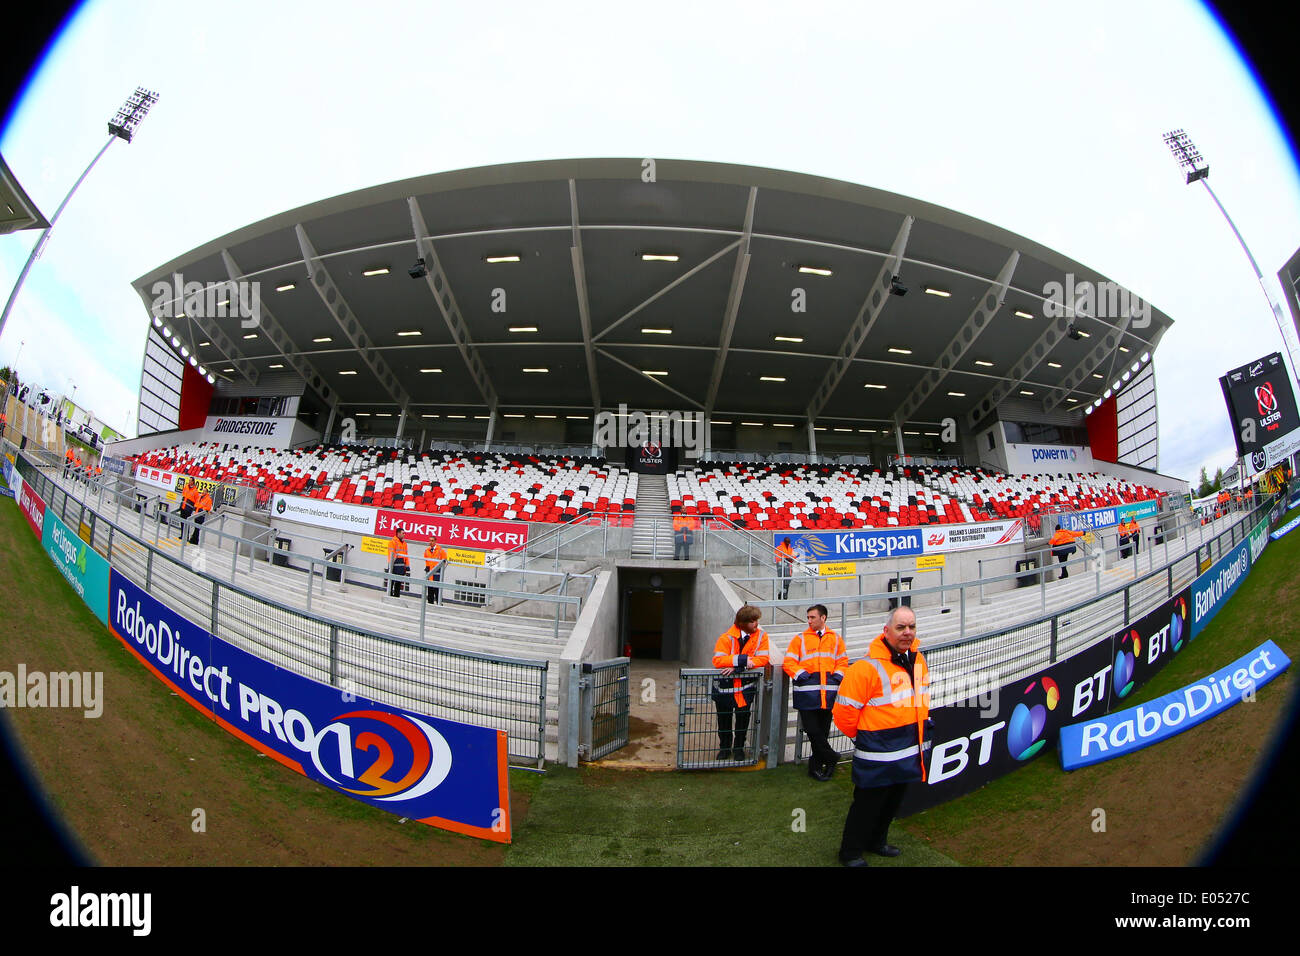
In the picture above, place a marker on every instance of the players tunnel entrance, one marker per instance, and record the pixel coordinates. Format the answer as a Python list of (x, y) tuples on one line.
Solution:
[(652, 607)]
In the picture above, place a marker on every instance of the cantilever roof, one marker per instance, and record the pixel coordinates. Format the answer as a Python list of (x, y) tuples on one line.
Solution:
[(580, 229), (17, 211)]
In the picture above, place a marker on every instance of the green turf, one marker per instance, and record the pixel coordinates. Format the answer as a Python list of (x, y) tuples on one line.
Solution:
[(604, 817)]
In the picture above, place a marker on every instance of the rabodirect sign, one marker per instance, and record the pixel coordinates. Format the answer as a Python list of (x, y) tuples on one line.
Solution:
[(85, 570), (436, 771), (1211, 589), (1107, 517), (1093, 741)]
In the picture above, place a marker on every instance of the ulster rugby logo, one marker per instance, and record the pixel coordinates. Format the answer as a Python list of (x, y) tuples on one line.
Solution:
[(1266, 400), (651, 449)]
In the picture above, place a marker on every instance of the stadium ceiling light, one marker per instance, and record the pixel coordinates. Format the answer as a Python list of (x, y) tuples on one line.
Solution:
[(1022, 314), (983, 363), (251, 335), (898, 351), (363, 414), (1053, 364), (523, 328), (579, 418), (1096, 375), (939, 292), (322, 339), (757, 424), (429, 371), (194, 362), (657, 257), (538, 370), (1075, 400), (647, 371), (512, 415), (1123, 348), (227, 370), (495, 259), (1146, 356), (543, 416), (375, 272), (1088, 410), (656, 331), (1125, 377), (176, 342), (911, 433), (870, 385), (1135, 366), (167, 332), (716, 422), (814, 271), (480, 417), (1115, 385), (1106, 394), (287, 287), (788, 338), (818, 428), (782, 425), (957, 394), (1083, 334), (934, 434), (428, 416), (409, 332), (1025, 391), (455, 416), (202, 344), (157, 322), (771, 378), (185, 352), (349, 371), (202, 370), (867, 431), (211, 380), (224, 302), (838, 429), (276, 365), (383, 414)]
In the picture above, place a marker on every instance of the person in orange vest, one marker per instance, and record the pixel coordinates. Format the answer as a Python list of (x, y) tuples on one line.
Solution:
[(202, 508), (742, 647), (435, 559), (397, 561), (883, 706), (1062, 545), (683, 534), (189, 498), (785, 566), (67, 462), (1128, 531), (815, 663)]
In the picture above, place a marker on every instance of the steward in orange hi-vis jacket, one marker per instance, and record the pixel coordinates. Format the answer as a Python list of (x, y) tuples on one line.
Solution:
[(883, 705), (816, 663), (741, 647)]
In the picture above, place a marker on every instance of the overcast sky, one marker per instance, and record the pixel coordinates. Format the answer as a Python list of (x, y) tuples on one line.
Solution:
[(1044, 119)]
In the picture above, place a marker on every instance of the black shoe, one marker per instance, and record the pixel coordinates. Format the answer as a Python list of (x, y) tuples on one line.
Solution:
[(821, 775), (856, 861), (723, 755), (887, 849), (738, 753)]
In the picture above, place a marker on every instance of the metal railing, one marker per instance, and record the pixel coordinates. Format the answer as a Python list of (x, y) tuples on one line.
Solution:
[(713, 730), (490, 690), (599, 708)]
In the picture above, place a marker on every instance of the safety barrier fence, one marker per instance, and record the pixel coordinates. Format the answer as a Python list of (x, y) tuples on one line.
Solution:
[(718, 726), (495, 691), (599, 706)]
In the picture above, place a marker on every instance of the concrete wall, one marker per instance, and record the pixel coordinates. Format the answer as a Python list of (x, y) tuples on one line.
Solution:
[(594, 637), (711, 610), (134, 446)]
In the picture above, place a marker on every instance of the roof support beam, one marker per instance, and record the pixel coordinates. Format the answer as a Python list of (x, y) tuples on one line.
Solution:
[(653, 378), (580, 285), (867, 316), (1107, 346), (347, 320), (1034, 356), (733, 301), (979, 319), (666, 289), (223, 343), (440, 288), (280, 341)]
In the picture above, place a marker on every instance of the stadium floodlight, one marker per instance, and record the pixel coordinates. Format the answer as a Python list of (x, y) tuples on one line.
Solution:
[(1190, 158), (122, 126)]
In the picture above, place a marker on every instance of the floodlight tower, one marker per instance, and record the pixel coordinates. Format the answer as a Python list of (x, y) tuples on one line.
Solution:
[(122, 126), (1198, 170)]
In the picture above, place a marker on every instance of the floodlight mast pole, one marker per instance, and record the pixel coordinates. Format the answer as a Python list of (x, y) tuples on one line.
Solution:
[(1189, 157), (121, 126)]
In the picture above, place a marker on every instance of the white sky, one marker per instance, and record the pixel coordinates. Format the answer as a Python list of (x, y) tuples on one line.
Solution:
[(1045, 119)]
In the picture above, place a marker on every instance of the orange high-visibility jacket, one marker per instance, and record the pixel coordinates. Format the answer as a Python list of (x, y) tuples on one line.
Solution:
[(887, 716), (820, 663), (1065, 536), (396, 549), (683, 523), (784, 553), (203, 502), (190, 495), (433, 555), (741, 651)]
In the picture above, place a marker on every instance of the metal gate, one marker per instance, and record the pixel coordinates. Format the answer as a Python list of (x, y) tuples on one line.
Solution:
[(712, 731), (601, 698)]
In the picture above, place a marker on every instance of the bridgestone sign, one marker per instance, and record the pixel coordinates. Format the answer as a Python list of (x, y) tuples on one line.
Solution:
[(269, 432)]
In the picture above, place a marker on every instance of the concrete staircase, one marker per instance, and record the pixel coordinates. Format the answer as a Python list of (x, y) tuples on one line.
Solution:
[(652, 531)]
